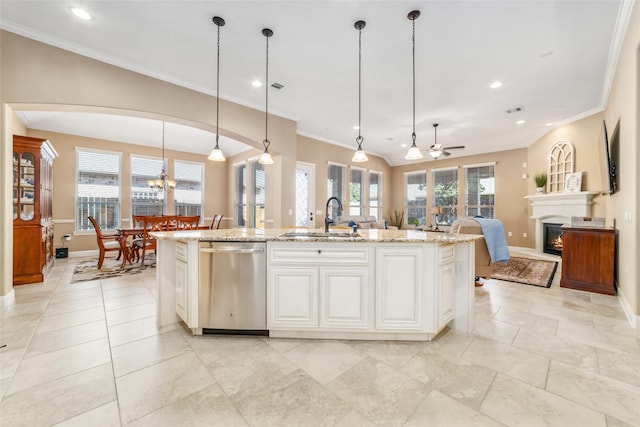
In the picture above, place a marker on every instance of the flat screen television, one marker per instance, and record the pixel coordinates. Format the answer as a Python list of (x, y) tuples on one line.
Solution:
[(607, 168)]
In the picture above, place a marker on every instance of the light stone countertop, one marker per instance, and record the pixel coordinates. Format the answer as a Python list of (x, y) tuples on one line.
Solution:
[(316, 235)]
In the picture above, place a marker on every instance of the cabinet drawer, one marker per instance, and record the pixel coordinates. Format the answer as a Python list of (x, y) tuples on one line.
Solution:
[(181, 251), (292, 254), (446, 254)]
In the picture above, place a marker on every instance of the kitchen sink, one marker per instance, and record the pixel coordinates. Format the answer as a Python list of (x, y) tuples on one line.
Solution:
[(321, 234)]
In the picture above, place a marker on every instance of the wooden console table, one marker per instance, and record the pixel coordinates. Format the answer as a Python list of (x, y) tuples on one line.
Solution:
[(588, 259)]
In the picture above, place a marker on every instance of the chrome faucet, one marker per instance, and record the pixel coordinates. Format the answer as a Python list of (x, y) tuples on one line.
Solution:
[(328, 221)]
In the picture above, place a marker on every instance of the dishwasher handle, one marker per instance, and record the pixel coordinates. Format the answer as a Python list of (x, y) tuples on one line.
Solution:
[(231, 250)]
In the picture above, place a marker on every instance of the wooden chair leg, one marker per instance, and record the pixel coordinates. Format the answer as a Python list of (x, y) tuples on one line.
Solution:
[(100, 260)]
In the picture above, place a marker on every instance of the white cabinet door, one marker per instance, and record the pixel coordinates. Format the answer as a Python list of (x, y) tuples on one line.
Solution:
[(345, 298), (181, 290), (293, 297), (446, 290), (399, 290)]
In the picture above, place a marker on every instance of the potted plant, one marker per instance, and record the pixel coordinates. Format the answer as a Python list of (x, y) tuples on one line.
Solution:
[(396, 220), (541, 181)]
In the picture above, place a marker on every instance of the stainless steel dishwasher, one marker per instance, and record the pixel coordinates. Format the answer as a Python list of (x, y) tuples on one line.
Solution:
[(233, 287)]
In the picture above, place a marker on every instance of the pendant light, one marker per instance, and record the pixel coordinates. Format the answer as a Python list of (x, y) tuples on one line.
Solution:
[(162, 183), (266, 158), (359, 155), (414, 152), (216, 154)]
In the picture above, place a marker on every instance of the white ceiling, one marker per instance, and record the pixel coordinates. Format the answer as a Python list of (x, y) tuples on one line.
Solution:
[(553, 58)]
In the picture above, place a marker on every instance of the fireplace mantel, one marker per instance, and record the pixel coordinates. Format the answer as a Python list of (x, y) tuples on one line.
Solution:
[(558, 208)]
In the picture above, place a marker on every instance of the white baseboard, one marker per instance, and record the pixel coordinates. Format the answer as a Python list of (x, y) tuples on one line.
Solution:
[(634, 320), (8, 299)]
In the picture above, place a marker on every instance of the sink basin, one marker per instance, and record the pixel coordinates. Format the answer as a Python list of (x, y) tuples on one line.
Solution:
[(321, 234)]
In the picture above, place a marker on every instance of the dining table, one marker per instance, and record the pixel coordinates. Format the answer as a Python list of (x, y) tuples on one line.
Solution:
[(138, 232)]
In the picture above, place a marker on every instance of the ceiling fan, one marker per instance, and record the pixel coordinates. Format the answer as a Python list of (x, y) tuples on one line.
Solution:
[(437, 150)]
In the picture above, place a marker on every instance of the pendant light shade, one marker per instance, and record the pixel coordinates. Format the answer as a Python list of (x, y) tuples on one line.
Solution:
[(216, 154), (266, 158), (414, 152), (359, 156)]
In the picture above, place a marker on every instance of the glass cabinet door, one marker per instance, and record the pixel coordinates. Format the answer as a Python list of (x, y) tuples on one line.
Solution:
[(15, 185), (26, 186)]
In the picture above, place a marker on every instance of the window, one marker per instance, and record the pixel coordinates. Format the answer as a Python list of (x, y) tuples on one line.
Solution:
[(97, 189), (335, 186), (188, 194), (240, 174), (144, 200), (445, 194), (375, 194), (258, 190), (480, 190), (356, 193), (250, 194), (415, 197)]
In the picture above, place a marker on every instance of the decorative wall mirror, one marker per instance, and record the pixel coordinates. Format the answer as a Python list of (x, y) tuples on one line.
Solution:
[(560, 164)]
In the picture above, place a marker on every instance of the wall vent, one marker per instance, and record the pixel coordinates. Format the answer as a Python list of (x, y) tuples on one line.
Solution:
[(277, 86)]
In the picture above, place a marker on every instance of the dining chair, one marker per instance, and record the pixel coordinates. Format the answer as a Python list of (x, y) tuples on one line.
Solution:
[(215, 224), (137, 221), (188, 222), (109, 241), (151, 224)]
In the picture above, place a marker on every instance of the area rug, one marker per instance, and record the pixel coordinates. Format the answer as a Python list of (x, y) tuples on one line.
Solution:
[(534, 272), (88, 270)]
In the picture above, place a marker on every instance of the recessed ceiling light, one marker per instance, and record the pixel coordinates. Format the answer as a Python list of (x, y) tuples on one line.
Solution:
[(403, 145), (549, 124), (81, 13), (495, 85), (356, 127), (256, 83), (520, 122)]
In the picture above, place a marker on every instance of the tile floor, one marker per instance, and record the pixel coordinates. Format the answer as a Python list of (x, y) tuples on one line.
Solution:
[(89, 354)]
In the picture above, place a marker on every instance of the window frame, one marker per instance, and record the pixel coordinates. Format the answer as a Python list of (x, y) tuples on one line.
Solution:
[(160, 196), (361, 204), (333, 206), (118, 205), (449, 211), (202, 188), (379, 207), (407, 208), (479, 207)]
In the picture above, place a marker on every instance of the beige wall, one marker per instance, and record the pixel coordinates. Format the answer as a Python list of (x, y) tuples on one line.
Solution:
[(321, 153), (511, 188), (584, 135), (624, 106)]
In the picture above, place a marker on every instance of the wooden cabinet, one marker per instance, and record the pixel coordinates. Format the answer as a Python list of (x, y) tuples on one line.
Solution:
[(32, 209), (344, 298), (446, 284), (588, 259), (319, 286), (293, 298), (399, 288)]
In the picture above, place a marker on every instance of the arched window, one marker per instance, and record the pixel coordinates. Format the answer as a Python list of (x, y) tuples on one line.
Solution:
[(559, 164)]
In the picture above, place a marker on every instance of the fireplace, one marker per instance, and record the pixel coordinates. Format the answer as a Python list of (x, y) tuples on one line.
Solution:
[(558, 208), (552, 238)]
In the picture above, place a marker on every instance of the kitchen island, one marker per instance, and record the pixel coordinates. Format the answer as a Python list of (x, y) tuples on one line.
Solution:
[(377, 284)]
